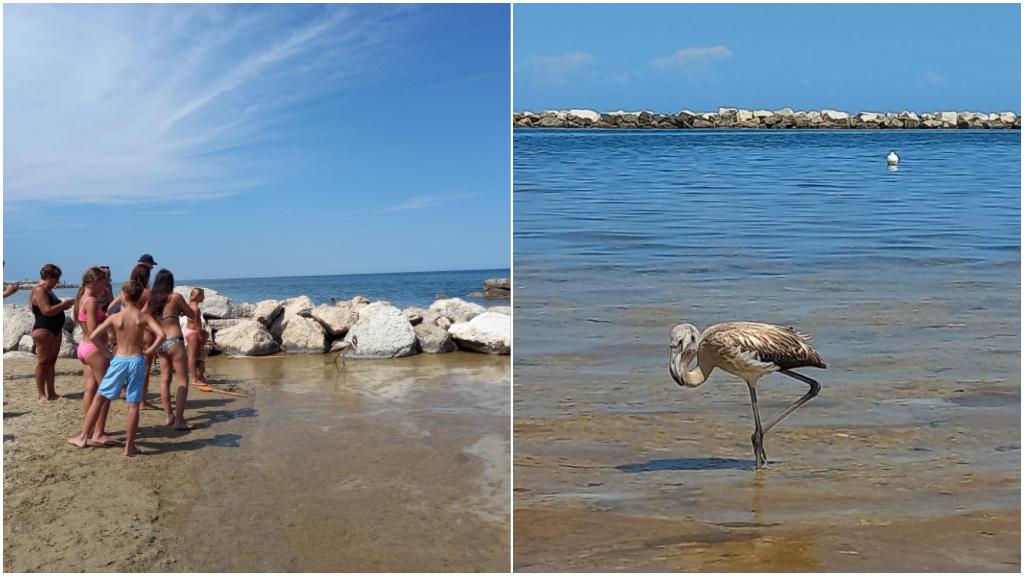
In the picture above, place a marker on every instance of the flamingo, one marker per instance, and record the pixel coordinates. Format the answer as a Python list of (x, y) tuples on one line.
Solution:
[(343, 349), (750, 351)]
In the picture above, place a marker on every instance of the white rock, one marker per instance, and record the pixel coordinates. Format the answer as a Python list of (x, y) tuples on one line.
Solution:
[(744, 115), (382, 332), (834, 115), (762, 113), (507, 311), (303, 335), (267, 311), (415, 315), (870, 117), (489, 332), (241, 310), (585, 114), (947, 117), (214, 305), (457, 309), (216, 324), (300, 305), (247, 338), (18, 322), (26, 344), (19, 355), (1008, 117), (68, 346), (433, 337), (337, 320)]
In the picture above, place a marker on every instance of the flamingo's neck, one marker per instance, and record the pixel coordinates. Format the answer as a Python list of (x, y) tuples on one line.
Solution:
[(686, 377)]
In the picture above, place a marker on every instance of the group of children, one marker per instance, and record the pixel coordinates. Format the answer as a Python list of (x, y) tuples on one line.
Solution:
[(121, 338)]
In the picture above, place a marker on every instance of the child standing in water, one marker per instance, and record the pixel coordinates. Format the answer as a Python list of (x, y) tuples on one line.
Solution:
[(126, 368)]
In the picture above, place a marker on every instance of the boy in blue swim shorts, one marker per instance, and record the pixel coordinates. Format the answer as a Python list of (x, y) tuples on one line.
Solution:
[(127, 368)]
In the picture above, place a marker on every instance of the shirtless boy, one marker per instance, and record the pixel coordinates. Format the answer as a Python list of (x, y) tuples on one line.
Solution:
[(127, 367)]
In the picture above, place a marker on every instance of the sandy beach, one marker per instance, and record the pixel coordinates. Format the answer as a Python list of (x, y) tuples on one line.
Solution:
[(316, 470)]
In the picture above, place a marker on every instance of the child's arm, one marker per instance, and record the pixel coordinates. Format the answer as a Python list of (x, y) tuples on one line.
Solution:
[(157, 331), (103, 326), (90, 318), (185, 308)]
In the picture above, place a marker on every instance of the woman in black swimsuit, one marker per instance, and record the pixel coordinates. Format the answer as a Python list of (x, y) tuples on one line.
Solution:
[(47, 330)]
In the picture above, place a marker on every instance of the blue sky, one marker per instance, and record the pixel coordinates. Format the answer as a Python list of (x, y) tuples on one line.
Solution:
[(866, 57), (261, 140)]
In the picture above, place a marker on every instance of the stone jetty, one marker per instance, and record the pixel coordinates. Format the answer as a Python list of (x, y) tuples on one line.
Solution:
[(739, 118), (298, 326), (495, 288)]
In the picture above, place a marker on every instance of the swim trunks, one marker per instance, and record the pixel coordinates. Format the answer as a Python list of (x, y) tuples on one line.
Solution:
[(124, 370)]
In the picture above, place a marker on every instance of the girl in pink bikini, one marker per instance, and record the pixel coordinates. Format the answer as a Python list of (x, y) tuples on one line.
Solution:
[(194, 337), (92, 350)]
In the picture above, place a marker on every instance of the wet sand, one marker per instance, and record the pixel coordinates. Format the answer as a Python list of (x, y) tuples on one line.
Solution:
[(396, 465)]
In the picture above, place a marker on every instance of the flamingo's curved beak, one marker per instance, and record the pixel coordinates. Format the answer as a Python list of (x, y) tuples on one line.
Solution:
[(675, 356)]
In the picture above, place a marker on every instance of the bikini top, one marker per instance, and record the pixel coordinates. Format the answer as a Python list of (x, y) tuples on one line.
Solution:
[(83, 316)]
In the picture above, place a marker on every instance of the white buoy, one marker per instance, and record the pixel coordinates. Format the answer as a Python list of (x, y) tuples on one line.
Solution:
[(892, 159)]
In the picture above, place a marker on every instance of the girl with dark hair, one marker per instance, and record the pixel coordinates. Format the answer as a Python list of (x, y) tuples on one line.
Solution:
[(47, 331), (166, 305), (92, 350)]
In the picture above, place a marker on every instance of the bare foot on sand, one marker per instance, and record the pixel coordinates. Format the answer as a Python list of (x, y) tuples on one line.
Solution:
[(78, 441), (44, 401), (182, 425), (55, 398), (133, 451), (150, 406), (104, 440)]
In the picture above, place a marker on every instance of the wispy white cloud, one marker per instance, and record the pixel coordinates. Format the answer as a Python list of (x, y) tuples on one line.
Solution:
[(558, 69), (687, 56), (127, 103), (418, 202), (933, 77)]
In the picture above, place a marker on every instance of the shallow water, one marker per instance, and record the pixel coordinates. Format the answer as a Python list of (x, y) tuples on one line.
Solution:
[(391, 465), (907, 279)]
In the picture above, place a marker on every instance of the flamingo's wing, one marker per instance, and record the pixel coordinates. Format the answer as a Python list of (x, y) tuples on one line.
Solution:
[(784, 347)]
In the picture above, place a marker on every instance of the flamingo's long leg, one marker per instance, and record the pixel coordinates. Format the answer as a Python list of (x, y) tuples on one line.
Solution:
[(815, 388), (758, 438)]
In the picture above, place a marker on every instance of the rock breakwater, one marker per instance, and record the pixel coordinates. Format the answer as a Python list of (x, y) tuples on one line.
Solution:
[(784, 118), (297, 326)]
